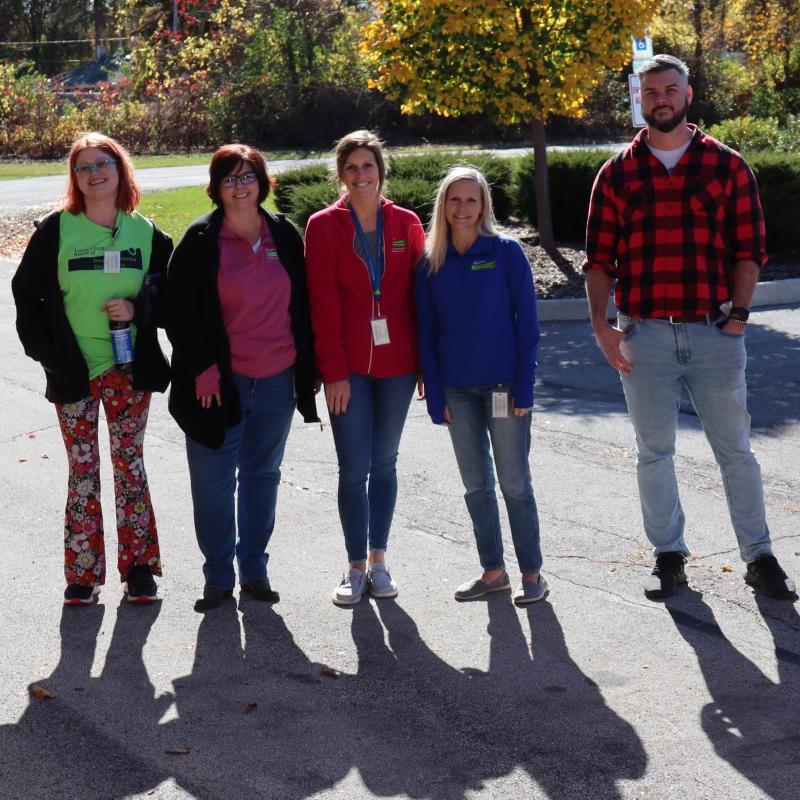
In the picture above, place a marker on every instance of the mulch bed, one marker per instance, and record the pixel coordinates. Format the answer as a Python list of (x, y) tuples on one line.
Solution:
[(555, 279)]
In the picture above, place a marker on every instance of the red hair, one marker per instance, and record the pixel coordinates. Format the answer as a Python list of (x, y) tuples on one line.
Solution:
[(128, 193)]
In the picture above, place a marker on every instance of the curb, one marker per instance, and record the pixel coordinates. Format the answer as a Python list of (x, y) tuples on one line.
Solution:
[(768, 293)]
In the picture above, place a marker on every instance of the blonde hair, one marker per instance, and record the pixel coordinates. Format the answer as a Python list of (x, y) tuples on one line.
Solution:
[(439, 229), (357, 140)]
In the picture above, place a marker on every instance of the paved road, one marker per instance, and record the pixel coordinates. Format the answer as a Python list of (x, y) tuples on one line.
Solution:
[(44, 191), (595, 693)]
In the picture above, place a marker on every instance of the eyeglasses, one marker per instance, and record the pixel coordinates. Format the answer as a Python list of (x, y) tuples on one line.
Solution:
[(246, 178), (82, 170)]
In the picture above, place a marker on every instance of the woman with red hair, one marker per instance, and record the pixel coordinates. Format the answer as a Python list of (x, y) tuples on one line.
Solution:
[(90, 274)]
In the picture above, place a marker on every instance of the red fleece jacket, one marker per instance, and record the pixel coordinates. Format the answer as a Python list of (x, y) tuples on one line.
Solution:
[(342, 303)]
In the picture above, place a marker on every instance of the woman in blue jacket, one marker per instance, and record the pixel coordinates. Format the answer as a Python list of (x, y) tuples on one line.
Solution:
[(478, 332)]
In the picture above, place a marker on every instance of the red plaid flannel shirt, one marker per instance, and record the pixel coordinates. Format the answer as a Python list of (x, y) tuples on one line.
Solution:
[(671, 240)]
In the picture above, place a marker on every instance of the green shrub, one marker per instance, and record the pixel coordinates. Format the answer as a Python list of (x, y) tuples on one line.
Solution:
[(287, 181), (308, 198), (416, 194), (778, 178), (747, 133), (572, 174), (789, 135), (431, 167)]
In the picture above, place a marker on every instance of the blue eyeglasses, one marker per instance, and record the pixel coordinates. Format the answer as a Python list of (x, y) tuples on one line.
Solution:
[(82, 170), (246, 178)]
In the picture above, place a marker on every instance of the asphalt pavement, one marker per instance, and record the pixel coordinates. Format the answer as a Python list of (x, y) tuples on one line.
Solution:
[(593, 693)]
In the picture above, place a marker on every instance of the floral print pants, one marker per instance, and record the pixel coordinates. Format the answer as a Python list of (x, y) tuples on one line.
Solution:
[(126, 413)]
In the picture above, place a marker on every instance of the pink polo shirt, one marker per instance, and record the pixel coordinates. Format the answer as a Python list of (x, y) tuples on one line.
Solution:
[(254, 292)]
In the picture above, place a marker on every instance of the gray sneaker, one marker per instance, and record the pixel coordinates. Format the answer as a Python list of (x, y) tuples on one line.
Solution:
[(349, 591), (472, 590), (380, 581), (530, 592)]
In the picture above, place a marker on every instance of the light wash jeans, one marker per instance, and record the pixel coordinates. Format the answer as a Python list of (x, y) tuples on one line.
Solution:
[(367, 438), (470, 431), (250, 459), (711, 365)]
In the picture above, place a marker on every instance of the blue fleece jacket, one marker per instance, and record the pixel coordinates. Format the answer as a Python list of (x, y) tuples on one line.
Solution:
[(477, 321)]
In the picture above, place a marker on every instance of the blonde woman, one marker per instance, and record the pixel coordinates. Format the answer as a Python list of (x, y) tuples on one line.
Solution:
[(479, 331)]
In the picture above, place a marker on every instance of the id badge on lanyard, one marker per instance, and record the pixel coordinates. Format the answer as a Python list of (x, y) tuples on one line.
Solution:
[(111, 261), (379, 323)]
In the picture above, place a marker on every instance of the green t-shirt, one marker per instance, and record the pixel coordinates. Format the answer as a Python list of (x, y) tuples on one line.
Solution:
[(89, 278)]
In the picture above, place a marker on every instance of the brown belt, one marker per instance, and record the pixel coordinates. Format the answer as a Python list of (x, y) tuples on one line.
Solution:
[(705, 319)]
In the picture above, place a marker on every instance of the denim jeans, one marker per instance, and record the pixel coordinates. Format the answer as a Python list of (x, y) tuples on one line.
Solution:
[(471, 429), (251, 457), (711, 365), (367, 437)]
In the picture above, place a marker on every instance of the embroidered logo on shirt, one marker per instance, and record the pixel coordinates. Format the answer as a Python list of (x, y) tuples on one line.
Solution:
[(399, 246), (478, 265), (272, 253)]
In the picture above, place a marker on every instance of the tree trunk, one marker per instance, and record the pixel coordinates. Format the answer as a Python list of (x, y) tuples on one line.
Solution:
[(544, 219)]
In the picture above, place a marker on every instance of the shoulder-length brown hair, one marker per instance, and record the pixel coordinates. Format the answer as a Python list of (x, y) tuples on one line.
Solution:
[(128, 193), (226, 159)]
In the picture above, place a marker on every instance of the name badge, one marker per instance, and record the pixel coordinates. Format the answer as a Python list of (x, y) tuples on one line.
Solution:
[(380, 331), (111, 261), (499, 404)]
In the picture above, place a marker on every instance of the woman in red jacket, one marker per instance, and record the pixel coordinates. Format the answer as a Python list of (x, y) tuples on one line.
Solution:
[(360, 257)]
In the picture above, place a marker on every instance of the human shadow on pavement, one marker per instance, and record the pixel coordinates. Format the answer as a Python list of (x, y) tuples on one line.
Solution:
[(92, 739), (574, 378), (438, 732), (752, 721), (256, 718)]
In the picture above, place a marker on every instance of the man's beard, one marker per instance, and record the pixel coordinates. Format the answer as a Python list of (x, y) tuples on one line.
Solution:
[(667, 124)]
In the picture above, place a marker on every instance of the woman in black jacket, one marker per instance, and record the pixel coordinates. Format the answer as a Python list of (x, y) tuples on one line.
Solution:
[(91, 268), (242, 361)]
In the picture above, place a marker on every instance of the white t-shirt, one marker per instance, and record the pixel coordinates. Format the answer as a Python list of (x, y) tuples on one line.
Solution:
[(669, 158)]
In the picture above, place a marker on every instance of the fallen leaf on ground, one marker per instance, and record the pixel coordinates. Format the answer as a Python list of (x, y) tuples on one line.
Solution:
[(45, 456), (40, 693), (177, 751), (250, 707), (31, 435), (330, 672), (23, 460), (727, 568)]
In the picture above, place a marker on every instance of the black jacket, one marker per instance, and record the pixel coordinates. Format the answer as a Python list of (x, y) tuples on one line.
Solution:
[(44, 329), (196, 328)]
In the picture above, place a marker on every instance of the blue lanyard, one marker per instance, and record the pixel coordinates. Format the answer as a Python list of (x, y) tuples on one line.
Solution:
[(374, 260)]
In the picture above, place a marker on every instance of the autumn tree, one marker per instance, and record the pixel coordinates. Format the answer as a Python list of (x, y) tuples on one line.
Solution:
[(519, 60)]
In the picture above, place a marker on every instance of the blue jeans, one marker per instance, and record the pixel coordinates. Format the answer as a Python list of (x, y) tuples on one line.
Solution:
[(711, 365), (367, 437), (470, 431), (251, 456)]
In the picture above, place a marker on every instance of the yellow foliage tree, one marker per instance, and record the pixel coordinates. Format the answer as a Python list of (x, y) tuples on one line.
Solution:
[(519, 60)]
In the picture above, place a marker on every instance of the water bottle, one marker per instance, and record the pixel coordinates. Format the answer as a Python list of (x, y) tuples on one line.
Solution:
[(121, 342)]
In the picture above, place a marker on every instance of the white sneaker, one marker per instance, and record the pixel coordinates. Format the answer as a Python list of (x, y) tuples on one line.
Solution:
[(380, 581), (349, 591)]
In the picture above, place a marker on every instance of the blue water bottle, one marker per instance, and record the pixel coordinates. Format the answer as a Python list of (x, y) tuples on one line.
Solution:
[(121, 342)]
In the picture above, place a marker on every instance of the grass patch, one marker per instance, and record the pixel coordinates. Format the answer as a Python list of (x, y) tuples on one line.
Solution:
[(175, 209), (13, 170)]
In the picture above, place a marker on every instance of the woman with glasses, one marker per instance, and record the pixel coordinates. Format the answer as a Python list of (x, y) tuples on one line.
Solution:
[(361, 253), (242, 361), (90, 273), (478, 332)]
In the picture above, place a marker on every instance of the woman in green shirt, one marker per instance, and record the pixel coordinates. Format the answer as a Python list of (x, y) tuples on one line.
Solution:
[(92, 266)]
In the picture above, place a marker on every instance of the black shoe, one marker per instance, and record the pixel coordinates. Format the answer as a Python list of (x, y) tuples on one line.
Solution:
[(212, 597), (261, 590), (79, 595), (140, 586), (766, 574), (666, 575)]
